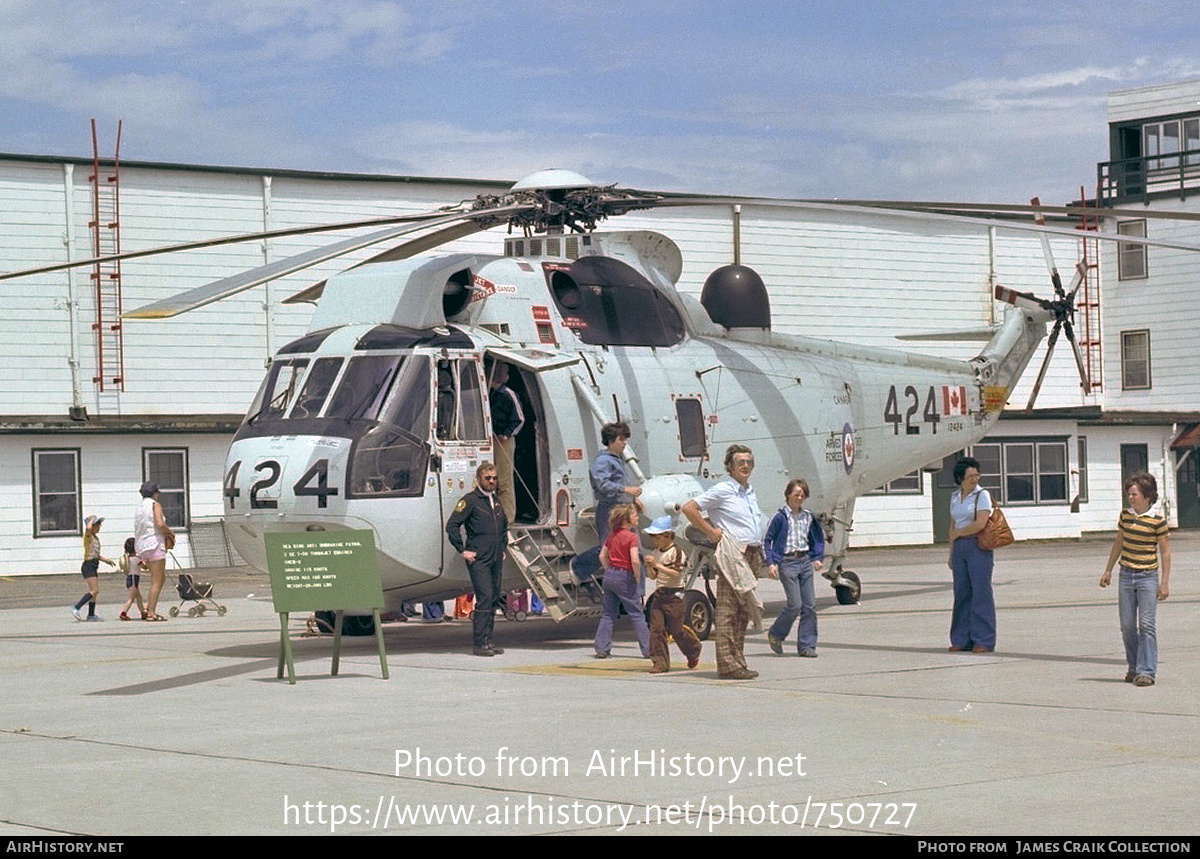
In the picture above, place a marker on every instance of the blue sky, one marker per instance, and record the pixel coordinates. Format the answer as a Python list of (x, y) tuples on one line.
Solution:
[(929, 99)]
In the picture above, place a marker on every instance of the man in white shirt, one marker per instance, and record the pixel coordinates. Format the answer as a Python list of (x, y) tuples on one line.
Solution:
[(732, 507)]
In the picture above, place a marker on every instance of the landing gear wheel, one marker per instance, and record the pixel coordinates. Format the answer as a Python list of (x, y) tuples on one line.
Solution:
[(698, 614), (848, 594), (173, 611), (358, 624)]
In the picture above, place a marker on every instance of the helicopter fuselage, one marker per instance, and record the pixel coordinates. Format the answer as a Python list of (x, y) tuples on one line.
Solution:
[(379, 425)]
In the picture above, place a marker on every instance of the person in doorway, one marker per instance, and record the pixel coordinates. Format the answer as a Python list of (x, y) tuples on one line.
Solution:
[(507, 420)]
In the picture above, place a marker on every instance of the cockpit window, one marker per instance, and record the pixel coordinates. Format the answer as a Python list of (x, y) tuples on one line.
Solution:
[(609, 303), (278, 390), (316, 388), (364, 386), (391, 459)]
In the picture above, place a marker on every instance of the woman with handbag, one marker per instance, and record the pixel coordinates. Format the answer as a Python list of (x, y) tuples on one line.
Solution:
[(973, 622)]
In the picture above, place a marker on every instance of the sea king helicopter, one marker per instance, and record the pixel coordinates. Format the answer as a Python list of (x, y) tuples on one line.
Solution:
[(378, 416)]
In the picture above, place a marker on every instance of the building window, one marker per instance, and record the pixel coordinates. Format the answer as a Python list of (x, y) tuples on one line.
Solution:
[(1131, 257), (1135, 360), (169, 469), (57, 504), (1022, 472), (909, 484)]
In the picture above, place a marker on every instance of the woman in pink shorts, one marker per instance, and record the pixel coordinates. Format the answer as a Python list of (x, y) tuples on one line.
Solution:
[(153, 540)]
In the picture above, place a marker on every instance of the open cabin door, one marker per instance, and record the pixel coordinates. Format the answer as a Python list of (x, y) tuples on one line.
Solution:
[(530, 446)]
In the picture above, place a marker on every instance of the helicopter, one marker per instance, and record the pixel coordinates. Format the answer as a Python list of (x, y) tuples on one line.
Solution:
[(378, 416)]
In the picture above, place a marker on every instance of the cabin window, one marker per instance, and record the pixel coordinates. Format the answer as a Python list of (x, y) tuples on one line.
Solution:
[(609, 303), (316, 388), (460, 401), (693, 443), (57, 503), (169, 469), (1135, 360)]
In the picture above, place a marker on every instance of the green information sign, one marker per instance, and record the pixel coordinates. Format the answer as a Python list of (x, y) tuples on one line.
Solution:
[(324, 571)]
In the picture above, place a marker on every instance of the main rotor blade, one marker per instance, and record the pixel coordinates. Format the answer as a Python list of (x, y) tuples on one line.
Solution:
[(922, 213), (404, 251), (227, 240), (228, 286)]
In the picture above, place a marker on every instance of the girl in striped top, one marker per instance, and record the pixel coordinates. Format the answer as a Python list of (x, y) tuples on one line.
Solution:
[(1142, 537)]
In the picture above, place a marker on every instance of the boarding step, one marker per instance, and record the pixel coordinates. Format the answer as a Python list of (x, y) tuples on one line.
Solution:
[(543, 554)]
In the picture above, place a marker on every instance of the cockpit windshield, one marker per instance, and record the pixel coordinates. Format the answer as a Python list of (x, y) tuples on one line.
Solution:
[(364, 386), (277, 390)]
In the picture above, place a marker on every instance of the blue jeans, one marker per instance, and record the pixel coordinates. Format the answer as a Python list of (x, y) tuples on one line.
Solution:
[(620, 589), (796, 576), (1137, 602), (973, 623)]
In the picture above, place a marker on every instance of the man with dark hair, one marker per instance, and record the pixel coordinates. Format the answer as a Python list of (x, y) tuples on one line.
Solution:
[(611, 484), (480, 513), (736, 523)]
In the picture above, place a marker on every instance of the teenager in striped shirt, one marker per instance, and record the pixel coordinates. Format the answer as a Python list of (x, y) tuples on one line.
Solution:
[(1142, 537)]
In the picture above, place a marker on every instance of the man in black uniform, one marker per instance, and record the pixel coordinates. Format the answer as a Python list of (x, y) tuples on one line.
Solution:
[(487, 535)]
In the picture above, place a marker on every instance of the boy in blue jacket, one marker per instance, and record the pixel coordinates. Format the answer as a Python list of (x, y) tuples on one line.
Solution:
[(794, 548)]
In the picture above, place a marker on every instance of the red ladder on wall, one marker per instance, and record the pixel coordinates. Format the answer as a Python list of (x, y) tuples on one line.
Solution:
[(1088, 302), (106, 276)]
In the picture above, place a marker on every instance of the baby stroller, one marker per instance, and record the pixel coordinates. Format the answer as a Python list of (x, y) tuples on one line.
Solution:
[(201, 593)]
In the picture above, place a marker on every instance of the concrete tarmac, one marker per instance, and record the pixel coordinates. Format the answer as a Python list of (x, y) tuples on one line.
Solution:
[(181, 728)]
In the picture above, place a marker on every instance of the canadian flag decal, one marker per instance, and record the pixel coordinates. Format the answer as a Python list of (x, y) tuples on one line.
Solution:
[(954, 400)]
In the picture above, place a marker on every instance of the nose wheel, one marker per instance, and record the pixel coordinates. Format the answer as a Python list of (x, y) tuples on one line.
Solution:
[(847, 587)]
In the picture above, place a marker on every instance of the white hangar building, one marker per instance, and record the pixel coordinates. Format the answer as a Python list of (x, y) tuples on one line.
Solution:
[(92, 406)]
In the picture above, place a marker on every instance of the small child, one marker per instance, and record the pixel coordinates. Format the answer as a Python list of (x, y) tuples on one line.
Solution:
[(667, 603), (622, 561), (90, 568), (132, 566)]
